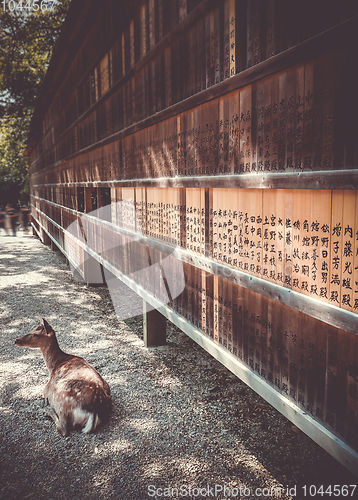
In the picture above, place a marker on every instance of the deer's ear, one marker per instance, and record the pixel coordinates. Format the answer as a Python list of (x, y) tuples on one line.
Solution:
[(48, 327)]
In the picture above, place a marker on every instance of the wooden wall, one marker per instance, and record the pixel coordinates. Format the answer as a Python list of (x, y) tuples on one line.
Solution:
[(232, 126)]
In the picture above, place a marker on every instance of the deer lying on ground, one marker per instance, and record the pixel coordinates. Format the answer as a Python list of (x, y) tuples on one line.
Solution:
[(77, 394)]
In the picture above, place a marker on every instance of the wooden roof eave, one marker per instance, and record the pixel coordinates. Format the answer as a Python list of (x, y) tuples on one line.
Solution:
[(80, 16)]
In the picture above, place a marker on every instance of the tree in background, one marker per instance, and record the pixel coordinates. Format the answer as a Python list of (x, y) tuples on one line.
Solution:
[(27, 38)]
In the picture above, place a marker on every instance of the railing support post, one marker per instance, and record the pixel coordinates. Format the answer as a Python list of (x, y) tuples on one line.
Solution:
[(154, 326), (92, 271)]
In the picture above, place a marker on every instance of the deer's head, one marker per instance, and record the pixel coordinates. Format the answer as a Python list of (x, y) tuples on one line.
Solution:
[(41, 336)]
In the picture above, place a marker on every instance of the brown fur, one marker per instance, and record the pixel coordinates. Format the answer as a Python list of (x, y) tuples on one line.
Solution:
[(77, 394)]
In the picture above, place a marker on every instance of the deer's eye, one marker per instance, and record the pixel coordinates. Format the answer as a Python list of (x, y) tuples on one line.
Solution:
[(36, 335)]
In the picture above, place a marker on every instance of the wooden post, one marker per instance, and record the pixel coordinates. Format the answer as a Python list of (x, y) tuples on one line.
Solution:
[(88, 201), (91, 267), (54, 247), (45, 238), (154, 324), (92, 271)]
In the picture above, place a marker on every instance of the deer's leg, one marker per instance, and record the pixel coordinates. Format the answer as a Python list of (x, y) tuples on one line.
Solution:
[(62, 425), (52, 414), (61, 421), (46, 391)]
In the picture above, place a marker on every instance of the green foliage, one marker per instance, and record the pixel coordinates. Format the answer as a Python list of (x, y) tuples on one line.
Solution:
[(27, 39), (13, 163)]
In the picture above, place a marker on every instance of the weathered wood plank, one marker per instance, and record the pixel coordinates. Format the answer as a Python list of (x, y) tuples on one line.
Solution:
[(332, 39), (326, 312)]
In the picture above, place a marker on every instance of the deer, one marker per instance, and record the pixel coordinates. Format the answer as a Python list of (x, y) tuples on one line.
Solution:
[(77, 394)]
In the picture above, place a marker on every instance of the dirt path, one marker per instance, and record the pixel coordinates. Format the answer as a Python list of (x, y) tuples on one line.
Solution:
[(180, 420)]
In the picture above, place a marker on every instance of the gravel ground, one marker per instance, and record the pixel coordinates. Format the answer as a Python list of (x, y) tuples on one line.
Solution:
[(180, 419)]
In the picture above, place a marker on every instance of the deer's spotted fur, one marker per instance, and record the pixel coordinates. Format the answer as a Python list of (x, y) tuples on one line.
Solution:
[(76, 392)]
